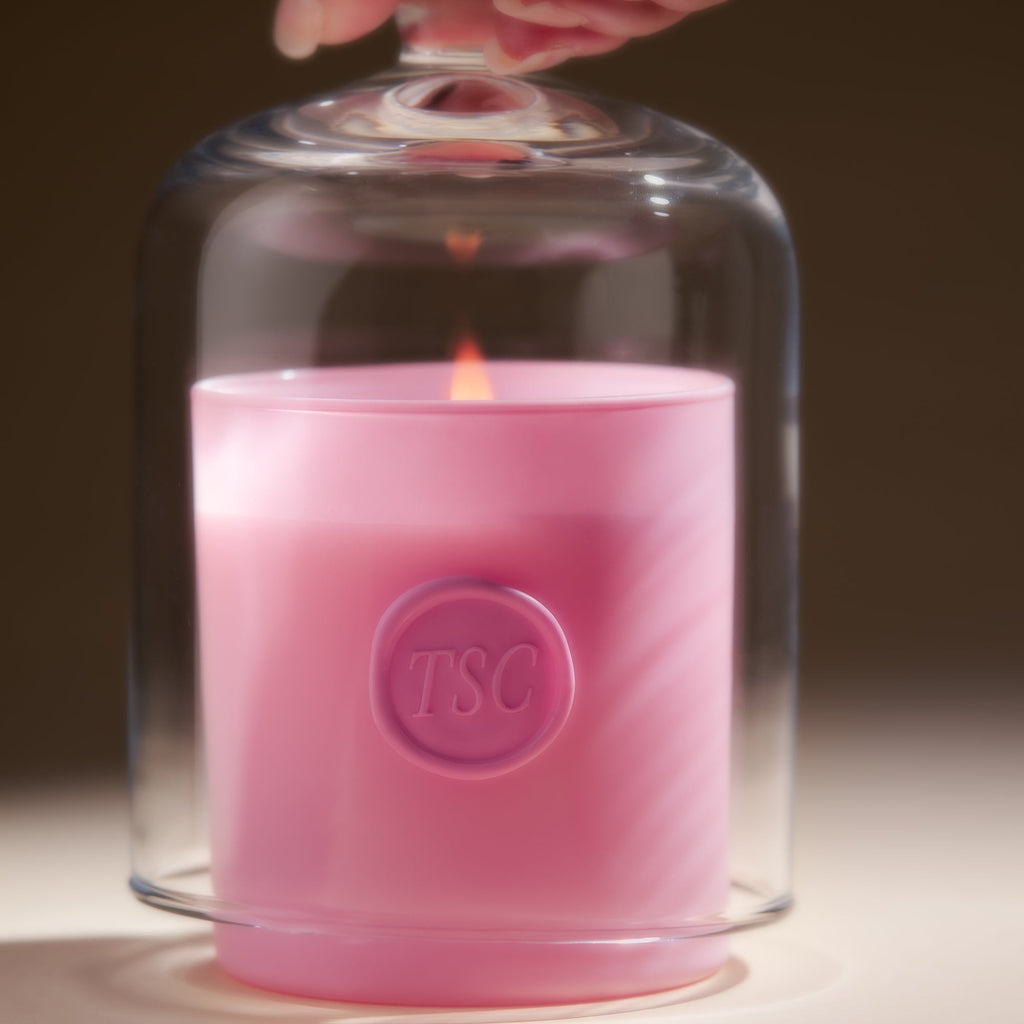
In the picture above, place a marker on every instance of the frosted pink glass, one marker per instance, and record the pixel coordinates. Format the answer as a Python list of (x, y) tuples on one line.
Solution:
[(604, 493)]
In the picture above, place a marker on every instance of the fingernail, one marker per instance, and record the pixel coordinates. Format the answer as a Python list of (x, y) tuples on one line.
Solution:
[(297, 28), (501, 63), (541, 12)]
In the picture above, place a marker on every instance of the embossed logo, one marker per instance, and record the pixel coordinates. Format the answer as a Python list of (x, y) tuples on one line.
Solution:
[(470, 678)]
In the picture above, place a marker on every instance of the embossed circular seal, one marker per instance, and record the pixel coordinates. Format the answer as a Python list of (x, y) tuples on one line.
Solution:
[(469, 678)]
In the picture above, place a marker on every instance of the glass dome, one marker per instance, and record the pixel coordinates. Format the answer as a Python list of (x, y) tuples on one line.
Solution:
[(464, 661)]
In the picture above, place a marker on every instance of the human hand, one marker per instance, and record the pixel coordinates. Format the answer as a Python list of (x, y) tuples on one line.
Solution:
[(527, 35)]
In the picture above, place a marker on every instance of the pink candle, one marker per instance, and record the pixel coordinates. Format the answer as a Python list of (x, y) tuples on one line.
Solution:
[(466, 676)]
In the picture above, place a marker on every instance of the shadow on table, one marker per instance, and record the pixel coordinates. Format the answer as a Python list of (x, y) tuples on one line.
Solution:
[(163, 980)]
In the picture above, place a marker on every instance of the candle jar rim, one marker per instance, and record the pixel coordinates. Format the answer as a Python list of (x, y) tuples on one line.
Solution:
[(284, 388)]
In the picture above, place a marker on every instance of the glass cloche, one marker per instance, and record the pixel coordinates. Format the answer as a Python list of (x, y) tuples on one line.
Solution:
[(464, 659)]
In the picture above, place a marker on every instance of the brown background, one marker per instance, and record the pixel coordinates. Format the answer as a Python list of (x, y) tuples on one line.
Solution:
[(891, 132)]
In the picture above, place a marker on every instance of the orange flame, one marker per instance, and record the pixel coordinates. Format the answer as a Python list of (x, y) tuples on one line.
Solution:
[(462, 245), (470, 382)]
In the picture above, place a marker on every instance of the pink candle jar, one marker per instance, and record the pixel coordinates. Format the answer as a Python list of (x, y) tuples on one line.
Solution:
[(465, 681), (474, 680)]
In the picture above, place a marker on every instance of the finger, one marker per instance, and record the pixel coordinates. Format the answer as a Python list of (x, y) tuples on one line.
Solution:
[(300, 26), (345, 20), (541, 12), (520, 47), (609, 17), (297, 27), (623, 17), (685, 7)]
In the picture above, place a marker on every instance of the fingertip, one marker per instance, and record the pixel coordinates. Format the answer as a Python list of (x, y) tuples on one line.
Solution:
[(298, 25)]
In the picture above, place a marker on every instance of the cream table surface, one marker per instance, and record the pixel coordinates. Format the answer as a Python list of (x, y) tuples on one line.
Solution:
[(910, 884)]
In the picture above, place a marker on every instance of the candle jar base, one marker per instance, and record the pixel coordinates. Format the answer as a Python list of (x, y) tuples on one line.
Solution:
[(416, 970)]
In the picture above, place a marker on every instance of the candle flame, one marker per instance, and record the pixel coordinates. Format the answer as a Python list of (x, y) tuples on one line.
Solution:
[(462, 245), (470, 382)]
